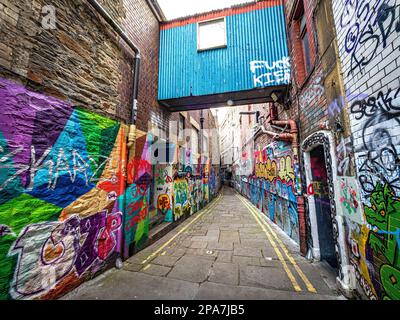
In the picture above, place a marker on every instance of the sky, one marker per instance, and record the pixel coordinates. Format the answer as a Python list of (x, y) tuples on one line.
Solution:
[(180, 8), (221, 112)]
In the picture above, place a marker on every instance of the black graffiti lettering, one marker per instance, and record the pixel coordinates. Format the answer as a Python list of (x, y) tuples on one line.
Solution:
[(370, 26), (363, 9), (378, 155), (372, 40), (350, 9), (370, 106), (383, 15)]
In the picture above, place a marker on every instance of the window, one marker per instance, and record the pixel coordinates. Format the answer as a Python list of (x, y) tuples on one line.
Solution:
[(181, 127), (195, 142), (305, 43), (205, 144), (211, 34), (300, 18), (258, 117), (182, 158)]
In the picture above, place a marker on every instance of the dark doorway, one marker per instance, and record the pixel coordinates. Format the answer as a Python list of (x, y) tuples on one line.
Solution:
[(322, 206)]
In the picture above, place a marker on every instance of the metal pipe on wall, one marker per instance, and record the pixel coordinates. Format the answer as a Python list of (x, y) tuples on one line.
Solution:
[(131, 144), (135, 65)]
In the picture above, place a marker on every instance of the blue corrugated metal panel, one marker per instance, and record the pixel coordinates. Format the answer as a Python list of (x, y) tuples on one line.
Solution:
[(252, 36)]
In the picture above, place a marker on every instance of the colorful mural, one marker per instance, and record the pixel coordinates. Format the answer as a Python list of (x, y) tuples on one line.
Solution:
[(163, 192), (191, 192), (273, 187), (71, 200), (375, 245), (61, 182), (373, 240), (182, 205)]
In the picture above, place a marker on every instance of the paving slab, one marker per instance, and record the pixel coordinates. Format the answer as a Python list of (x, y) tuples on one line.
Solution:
[(229, 236), (240, 250), (199, 244), (156, 270), (132, 266), (269, 252), (166, 260), (175, 252), (270, 262), (255, 243), (217, 291), (265, 277), (191, 268), (223, 255), (203, 253), (125, 285), (254, 261), (221, 246), (222, 272)]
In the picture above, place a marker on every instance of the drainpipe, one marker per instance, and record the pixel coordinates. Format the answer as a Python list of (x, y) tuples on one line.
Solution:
[(135, 86), (135, 67)]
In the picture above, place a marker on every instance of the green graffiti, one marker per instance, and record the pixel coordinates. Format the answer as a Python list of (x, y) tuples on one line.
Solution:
[(98, 132), (390, 278), (181, 189), (384, 217), (17, 214)]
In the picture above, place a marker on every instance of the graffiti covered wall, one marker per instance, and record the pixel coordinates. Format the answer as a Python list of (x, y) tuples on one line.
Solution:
[(191, 192), (273, 187), (65, 211), (163, 191), (61, 174), (369, 35)]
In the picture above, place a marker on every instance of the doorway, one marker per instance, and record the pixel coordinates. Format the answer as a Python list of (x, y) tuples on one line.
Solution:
[(320, 190)]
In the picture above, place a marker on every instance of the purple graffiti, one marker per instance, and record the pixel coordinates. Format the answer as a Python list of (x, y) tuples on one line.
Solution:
[(88, 252)]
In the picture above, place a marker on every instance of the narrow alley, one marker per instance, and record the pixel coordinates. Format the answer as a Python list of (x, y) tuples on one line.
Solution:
[(196, 150), (227, 251)]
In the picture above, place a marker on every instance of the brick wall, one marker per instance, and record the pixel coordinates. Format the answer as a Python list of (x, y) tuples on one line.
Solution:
[(309, 105), (83, 60), (209, 125), (295, 46), (78, 61), (143, 27)]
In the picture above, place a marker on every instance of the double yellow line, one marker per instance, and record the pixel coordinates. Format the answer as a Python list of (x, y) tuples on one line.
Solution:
[(155, 253), (272, 239)]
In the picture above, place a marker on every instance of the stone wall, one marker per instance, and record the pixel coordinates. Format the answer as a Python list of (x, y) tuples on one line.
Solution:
[(78, 61)]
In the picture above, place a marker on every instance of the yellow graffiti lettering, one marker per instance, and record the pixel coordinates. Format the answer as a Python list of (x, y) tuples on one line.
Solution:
[(286, 171)]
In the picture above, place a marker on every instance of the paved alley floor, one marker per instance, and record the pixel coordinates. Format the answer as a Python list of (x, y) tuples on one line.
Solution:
[(223, 252)]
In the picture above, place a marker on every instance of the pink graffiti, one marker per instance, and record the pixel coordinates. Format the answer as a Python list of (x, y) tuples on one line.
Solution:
[(107, 240)]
